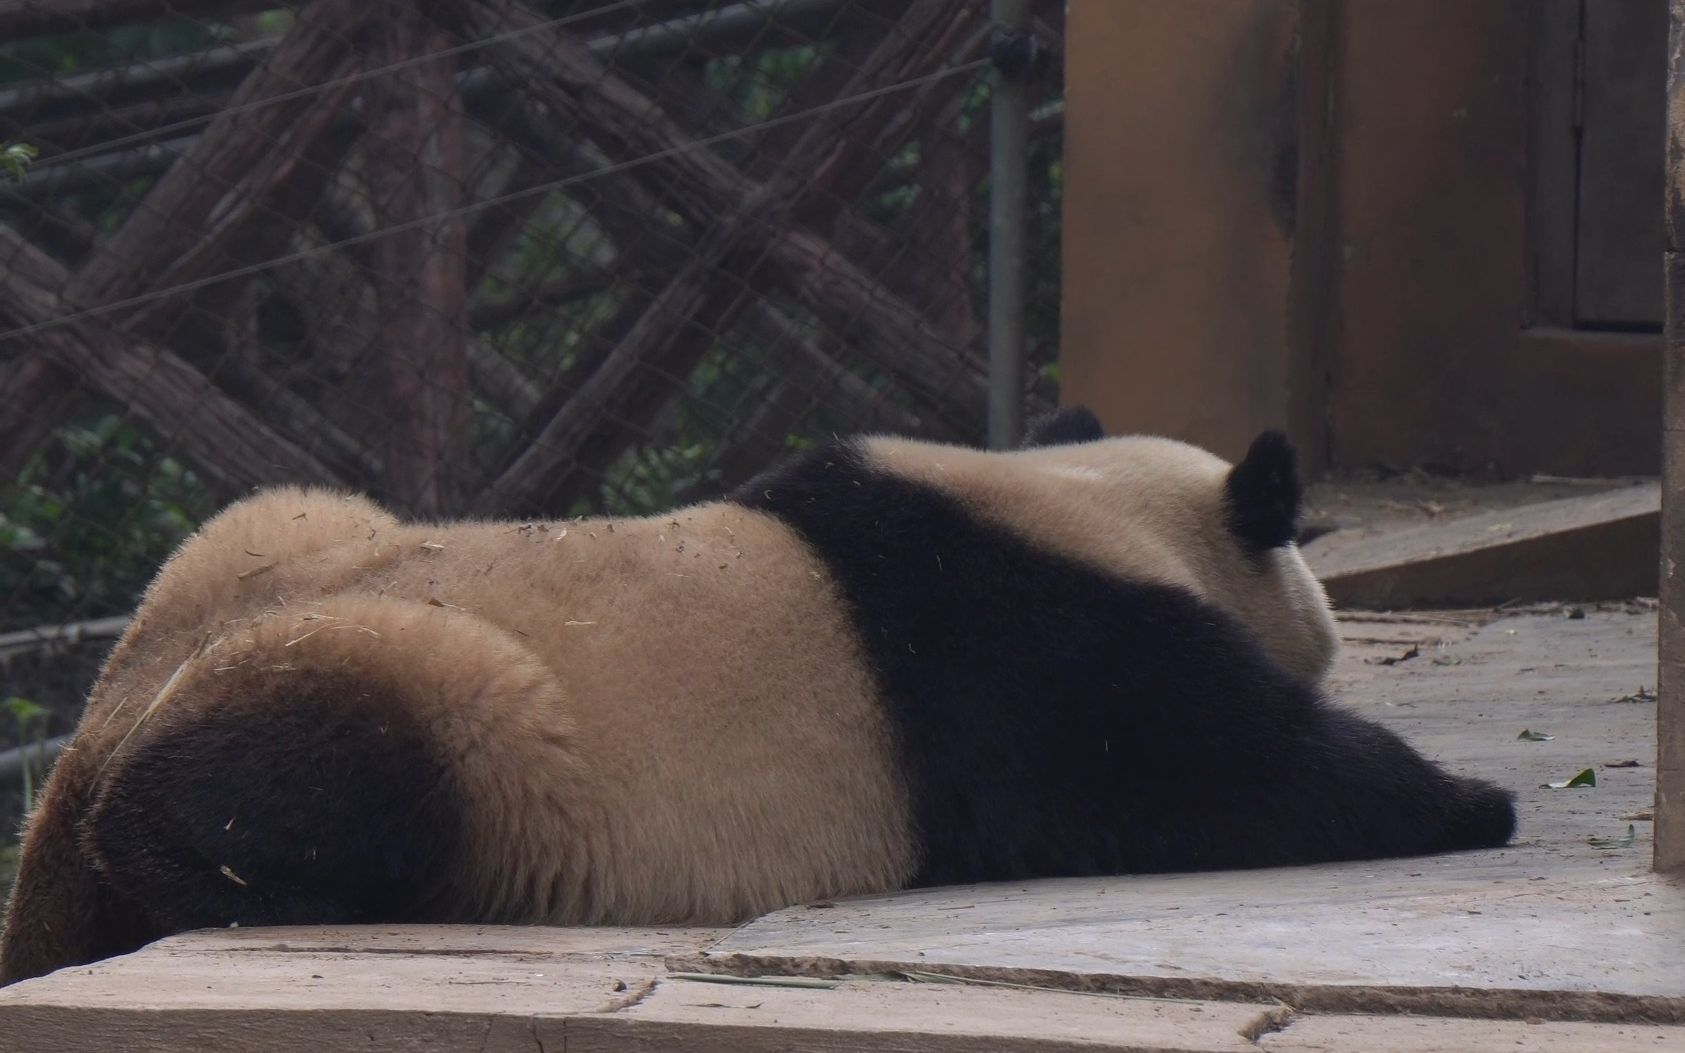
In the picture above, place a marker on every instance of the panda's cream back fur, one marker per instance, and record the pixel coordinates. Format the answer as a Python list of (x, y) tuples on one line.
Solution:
[(573, 649), (885, 663), (1140, 508)]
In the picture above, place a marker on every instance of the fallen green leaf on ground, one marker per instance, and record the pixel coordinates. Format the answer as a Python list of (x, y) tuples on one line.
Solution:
[(1611, 843), (1585, 778), (1529, 735)]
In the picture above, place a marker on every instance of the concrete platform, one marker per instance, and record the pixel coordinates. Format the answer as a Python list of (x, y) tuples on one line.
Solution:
[(499, 990), (1445, 544), (1567, 922), (1563, 941)]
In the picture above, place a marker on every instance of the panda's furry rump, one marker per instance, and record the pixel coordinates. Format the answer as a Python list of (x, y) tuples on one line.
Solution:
[(882, 664)]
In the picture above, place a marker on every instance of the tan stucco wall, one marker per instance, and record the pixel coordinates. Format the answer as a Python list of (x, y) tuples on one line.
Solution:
[(1175, 250), (1392, 333)]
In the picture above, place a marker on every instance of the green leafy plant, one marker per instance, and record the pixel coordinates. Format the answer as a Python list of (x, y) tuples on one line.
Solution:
[(88, 521), (31, 720), (15, 159), (653, 479)]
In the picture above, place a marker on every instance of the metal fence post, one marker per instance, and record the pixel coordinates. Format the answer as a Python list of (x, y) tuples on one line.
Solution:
[(1014, 54)]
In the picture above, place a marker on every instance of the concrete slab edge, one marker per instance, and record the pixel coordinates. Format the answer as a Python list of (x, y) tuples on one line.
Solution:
[(1458, 1002)]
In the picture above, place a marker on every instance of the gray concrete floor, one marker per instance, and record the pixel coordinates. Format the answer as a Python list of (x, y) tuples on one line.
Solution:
[(1557, 943), (1567, 921)]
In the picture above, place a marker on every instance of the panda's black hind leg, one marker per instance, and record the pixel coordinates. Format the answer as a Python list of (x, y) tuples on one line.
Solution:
[(320, 805)]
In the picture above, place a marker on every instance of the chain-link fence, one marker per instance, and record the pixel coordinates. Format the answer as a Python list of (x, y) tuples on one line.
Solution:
[(491, 257)]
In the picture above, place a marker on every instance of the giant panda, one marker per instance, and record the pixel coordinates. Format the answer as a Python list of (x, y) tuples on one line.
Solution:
[(885, 663)]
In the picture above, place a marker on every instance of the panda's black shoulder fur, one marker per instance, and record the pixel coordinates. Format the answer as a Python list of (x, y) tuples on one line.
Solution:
[(1054, 720), (1064, 426)]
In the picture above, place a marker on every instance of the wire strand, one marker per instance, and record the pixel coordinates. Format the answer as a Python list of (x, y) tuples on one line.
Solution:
[(107, 146), (477, 206)]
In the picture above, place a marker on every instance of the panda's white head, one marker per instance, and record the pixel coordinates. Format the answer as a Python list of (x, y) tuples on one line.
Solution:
[(1153, 510), (1229, 530), (1270, 586)]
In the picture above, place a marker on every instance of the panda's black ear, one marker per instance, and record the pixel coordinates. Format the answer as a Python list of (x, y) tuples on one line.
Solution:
[(1264, 494), (1062, 427)]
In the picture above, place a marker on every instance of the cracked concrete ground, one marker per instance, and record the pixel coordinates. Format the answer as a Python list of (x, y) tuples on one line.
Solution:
[(1562, 941), (1568, 914)]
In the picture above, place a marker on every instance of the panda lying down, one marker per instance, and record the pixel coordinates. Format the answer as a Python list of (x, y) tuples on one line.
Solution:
[(883, 664)]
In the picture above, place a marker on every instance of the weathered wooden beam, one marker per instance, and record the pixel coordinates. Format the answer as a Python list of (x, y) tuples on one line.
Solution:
[(799, 359), (594, 420), (103, 171), (413, 168), (808, 361), (34, 396), (510, 307), (210, 75), (583, 93), (193, 417), (183, 228), (642, 252), (804, 378), (937, 243), (98, 134), (755, 224), (29, 18), (883, 328), (244, 376), (501, 381), (1670, 704)]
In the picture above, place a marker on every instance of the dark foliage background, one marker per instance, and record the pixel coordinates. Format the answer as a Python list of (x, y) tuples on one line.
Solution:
[(484, 257)]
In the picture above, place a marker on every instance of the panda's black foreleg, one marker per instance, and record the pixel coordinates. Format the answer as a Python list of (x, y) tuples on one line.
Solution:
[(1328, 786), (1266, 774), (1361, 791)]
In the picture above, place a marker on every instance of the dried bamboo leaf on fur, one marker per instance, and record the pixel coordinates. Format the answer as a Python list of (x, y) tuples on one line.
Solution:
[(164, 694)]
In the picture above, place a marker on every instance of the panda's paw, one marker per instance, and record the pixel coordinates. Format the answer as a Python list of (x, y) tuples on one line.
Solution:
[(1482, 816)]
